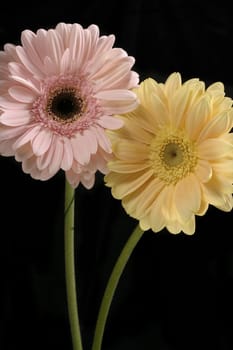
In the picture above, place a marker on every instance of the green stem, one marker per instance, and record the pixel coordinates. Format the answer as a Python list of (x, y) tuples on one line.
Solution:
[(70, 267), (112, 284)]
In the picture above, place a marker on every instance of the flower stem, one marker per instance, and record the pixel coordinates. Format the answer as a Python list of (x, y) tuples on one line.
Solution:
[(70, 267), (112, 284)]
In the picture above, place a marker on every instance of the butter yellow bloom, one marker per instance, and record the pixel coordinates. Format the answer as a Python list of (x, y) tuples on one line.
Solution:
[(174, 155)]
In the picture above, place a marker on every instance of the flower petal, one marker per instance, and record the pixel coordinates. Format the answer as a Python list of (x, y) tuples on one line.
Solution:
[(9, 103), (27, 136), (156, 217), (203, 170), (56, 160), (68, 156), (24, 152), (81, 149), (127, 184), (131, 151), (15, 117), (109, 122), (91, 140), (211, 149), (102, 139), (42, 142), (197, 116), (125, 167), (139, 203), (217, 126), (187, 197)]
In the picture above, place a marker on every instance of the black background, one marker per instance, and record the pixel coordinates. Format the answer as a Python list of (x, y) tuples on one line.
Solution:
[(176, 291)]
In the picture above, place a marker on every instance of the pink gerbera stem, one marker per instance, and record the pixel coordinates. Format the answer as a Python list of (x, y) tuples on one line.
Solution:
[(70, 267)]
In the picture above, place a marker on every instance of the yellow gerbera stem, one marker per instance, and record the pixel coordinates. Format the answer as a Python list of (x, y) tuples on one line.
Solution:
[(112, 284), (70, 267)]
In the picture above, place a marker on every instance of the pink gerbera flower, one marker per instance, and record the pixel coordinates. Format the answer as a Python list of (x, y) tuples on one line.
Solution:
[(59, 91)]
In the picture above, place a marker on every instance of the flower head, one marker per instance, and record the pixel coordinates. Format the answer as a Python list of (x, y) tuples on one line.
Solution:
[(58, 93), (174, 155)]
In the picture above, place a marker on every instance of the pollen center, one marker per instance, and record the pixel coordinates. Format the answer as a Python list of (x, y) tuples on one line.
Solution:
[(173, 156), (64, 105)]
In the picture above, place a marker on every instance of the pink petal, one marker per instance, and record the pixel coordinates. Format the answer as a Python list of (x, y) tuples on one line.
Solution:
[(133, 80), (28, 164), (41, 45), (88, 180), (57, 155), (120, 107), (68, 157), (24, 152), (72, 178), (6, 102), (28, 39), (114, 74), (77, 44), (99, 162), (104, 62), (81, 149), (36, 173), (91, 140), (45, 175), (95, 33), (117, 101), (27, 62), (50, 68), (65, 61), (31, 84), (109, 122), (105, 43), (88, 48), (54, 46), (15, 117), (6, 148), (42, 142), (102, 139), (17, 69), (116, 95), (10, 132), (45, 159), (28, 135)]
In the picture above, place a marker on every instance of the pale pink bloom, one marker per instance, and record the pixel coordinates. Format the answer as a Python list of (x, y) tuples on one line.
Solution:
[(59, 91)]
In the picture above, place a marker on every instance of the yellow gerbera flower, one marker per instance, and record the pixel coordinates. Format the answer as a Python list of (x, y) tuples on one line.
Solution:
[(174, 155)]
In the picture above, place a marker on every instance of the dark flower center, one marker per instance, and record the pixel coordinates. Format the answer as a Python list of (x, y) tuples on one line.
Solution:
[(65, 105)]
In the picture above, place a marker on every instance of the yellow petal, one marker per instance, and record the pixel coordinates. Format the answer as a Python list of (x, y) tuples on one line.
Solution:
[(125, 184), (172, 84), (203, 208), (139, 204), (227, 203), (131, 151), (211, 149), (157, 220), (213, 192), (144, 223), (217, 126), (123, 167), (203, 170), (189, 227), (197, 116), (174, 227), (187, 196)]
